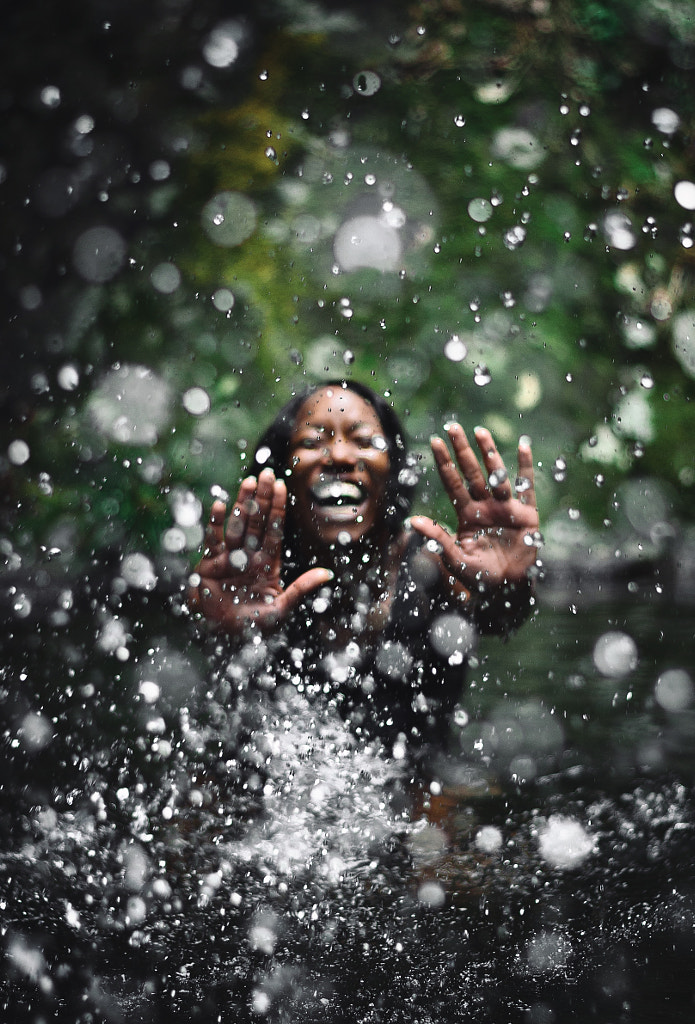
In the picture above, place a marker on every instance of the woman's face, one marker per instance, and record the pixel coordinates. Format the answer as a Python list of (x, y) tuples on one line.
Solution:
[(340, 467)]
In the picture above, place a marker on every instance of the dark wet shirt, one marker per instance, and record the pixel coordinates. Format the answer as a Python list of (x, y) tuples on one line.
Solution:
[(407, 679)]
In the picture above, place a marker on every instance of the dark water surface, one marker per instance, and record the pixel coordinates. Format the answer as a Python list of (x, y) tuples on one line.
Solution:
[(181, 846)]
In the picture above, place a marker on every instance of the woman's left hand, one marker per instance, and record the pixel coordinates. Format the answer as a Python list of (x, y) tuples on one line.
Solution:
[(497, 532)]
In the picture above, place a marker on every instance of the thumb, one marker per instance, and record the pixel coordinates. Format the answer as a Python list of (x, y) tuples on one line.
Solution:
[(303, 585)]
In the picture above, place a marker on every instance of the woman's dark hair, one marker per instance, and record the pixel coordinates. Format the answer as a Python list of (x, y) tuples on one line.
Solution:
[(273, 450)]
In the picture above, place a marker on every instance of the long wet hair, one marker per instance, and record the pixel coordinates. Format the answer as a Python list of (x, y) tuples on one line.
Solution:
[(273, 450)]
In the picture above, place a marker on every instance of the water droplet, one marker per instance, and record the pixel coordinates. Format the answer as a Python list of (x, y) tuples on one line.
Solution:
[(515, 237), (21, 606), (367, 241), (665, 120), (482, 375), (564, 842), (615, 654), (459, 120), (684, 193), (489, 839), (149, 690), (196, 401), (518, 147), (497, 478), (480, 210), (223, 299), (393, 660), (18, 452), (366, 83), (138, 571), (166, 278), (131, 404), (450, 634), (221, 48), (238, 559), (674, 690), (455, 349), (661, 306), (461, 717), (98, 254), (617, 227), (432, 894), (229, 218)]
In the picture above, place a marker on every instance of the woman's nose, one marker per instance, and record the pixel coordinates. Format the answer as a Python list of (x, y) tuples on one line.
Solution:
[(340, 451)]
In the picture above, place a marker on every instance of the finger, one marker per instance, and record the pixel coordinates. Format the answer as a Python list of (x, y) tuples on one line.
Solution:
[(498, 478), (428, 528), (468, 461), (276, 521), (258, 509), (451, 552), (214, 533), (299, 588), (236, 524), (449, 474), (525, 485)]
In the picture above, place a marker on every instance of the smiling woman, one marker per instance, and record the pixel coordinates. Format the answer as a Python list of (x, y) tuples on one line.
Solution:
[(317, 564), (340, 466)]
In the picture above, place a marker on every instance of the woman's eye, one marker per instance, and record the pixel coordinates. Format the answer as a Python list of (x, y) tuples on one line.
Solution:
[(375, 441), (310, 442)]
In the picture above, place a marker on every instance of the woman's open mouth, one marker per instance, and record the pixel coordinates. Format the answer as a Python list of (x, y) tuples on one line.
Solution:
[(337, 499)]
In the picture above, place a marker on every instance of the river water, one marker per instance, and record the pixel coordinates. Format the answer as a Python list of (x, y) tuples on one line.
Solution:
[(180, 845)]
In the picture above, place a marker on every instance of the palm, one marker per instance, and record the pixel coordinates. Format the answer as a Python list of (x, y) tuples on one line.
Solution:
[(239, 584), (496, 533)]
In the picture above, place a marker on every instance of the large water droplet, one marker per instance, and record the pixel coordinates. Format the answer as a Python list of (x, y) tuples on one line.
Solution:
[(229, 218), (480, 210), (615, 654), (98, 254), (684, 192), (366, 83)]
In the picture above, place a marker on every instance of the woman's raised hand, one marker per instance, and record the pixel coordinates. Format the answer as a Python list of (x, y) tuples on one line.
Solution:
[(237, 583), (497, 532)]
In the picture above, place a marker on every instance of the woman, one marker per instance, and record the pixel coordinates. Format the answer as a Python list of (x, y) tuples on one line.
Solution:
[(316, 555)]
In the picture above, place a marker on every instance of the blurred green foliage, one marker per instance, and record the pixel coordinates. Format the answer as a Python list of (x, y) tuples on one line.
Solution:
[(564, 292)]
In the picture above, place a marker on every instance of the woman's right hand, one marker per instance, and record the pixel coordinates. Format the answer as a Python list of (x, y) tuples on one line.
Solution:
[(237, 582)]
